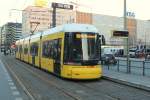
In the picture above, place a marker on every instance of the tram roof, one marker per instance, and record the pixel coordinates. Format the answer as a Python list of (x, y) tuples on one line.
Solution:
[(65, 28), (27, 38), (38, 34), (72, 28)]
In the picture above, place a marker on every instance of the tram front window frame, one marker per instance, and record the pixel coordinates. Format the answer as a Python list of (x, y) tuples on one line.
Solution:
[(81, 48)]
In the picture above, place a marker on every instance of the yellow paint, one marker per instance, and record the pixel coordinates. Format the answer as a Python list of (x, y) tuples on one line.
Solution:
[(81, 72), (17, 55), (22, 56), (41, 3), (25, 57), (37, 61), (30, 59), (47, 64)]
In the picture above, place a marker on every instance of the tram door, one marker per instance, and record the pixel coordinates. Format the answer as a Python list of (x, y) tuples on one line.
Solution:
[(34, 51), (33, 59), (20, 51), (57, 56)]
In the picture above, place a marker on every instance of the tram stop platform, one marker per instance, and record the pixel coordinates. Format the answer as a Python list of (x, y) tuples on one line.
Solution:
[(8, 90), (137, 81)]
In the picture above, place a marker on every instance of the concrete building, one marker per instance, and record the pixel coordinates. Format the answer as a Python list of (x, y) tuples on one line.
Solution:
[(143, 32), (10, 32), (132, 28), (35, 19), (106, 24), (43, 16)]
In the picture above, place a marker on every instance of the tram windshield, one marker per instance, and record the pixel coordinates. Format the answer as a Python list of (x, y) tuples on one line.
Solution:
[(82, 48)]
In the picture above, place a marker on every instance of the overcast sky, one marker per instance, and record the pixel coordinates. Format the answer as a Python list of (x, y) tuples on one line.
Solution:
[(108, 7)]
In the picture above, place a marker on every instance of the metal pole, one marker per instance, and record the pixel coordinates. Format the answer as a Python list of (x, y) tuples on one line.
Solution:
[(125, 23), (1, 39), (143, 68), (118, 66), (145, 47), (54, 17), (127, 39)]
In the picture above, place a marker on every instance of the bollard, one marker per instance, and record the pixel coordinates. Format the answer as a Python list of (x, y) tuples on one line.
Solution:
[(118, 66), (129, 66), (143, 68), (108, 66)]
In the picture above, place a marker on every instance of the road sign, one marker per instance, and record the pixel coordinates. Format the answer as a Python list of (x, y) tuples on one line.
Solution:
[(120, 33), (62, 6)]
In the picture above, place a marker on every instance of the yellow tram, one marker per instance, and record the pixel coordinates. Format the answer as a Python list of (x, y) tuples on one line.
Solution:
[(70, 51)]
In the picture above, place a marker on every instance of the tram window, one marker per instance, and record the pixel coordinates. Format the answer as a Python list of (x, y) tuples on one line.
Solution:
[(34, 49), (17, 49), (45, 49), (67, 47), (81, 47), (25, 49), (59, 49), (51, 48), (20, 49), (55, 44)]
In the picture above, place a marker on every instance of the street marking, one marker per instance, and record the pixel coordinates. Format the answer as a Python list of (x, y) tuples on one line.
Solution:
[(9, 80), (80, 91), (13, 88), (11, 83), (15, 93), (18, 98), (19, 81)]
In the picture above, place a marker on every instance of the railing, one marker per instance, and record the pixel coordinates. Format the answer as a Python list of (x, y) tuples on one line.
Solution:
[(135, 66)]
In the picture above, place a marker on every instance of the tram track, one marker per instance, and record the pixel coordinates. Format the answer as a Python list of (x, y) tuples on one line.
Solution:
[(91, 87), (94, 89), (19, 81), (63, 90), (111, 97), (32, 97)]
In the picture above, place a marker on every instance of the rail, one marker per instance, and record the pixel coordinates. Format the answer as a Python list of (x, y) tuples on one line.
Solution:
[(135, 66)]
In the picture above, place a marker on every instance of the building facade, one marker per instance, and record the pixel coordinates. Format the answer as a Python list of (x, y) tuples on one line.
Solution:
[(36, 18), (10, 32), (106, 24)]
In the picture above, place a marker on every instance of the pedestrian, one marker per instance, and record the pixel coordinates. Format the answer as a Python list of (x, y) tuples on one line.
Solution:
[(5, 52)]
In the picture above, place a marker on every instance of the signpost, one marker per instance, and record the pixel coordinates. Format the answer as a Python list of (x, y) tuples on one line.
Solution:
[(123, 34), (60, 6)]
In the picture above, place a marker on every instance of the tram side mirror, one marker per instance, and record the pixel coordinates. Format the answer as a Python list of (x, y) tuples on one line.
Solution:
[(103, 40)]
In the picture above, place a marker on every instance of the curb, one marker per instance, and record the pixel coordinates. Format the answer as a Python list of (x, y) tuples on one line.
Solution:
[(124, 82)]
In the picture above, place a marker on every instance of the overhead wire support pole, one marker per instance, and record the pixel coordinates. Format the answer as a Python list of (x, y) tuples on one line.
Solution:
[(37, 23), (127, 39), (54, 17)]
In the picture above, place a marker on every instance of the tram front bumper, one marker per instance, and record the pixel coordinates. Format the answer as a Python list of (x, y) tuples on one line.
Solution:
[(86, 73)]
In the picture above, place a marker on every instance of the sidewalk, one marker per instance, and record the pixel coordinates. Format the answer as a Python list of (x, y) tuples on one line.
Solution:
[(138, 81), (8, 90)]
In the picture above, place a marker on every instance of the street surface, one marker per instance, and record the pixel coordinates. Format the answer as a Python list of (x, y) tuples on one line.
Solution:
[(36, 84)]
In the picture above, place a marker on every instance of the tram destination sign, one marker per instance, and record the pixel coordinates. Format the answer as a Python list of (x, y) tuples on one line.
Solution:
[(62, 6)]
